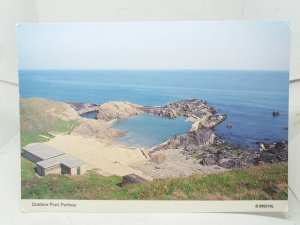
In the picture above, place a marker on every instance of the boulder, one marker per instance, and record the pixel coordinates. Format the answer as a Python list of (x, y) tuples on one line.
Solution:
[(209, 160), (261, 147), (275, 113), (231, 164), (268, 157), (280, 146)]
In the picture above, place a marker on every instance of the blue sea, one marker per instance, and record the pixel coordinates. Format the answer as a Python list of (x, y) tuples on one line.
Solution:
[(247, 97)]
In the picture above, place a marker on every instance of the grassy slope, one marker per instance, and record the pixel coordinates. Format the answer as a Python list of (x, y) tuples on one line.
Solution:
[(263, 182), (36, 121)]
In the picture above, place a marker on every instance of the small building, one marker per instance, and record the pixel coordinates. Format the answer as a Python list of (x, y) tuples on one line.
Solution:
[(38, 152), (50, 160), (63, 164)]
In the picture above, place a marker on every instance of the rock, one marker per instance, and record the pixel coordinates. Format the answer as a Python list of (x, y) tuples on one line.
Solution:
[(280, 146), (99, 129), (158, 158), (229, 156), (275, 113), (268, 157), (231, 164), (83, 108), (190, 141), (261, 147), (194, 108), (229, 126), (209, 160), (222, 154), (189, 148), (282, 156), (118, 110), (273, 153), (259, 163), (133, 179)]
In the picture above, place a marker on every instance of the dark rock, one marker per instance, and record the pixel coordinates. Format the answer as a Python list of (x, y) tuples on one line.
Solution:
[(275, 113), (282, 156), (231, 164), (190, 141), (259, 163), (280, 146), (133, 178), (268, 157), (209, 160), (229, 126), (186, 108), (273, 153), (222, 154)]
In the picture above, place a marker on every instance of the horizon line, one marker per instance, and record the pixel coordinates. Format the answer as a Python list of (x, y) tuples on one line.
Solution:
[(151, 69)]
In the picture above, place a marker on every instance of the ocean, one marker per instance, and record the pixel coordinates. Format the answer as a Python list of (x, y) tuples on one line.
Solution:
[(247, 97)]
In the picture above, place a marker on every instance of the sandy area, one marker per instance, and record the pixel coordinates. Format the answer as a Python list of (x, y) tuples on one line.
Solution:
[(175, 164), (112, 159), (108, 158)]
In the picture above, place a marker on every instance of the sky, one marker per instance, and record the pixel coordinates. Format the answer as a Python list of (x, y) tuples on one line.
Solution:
[(155, 45)]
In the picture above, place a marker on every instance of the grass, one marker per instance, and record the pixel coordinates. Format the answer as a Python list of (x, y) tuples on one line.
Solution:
[(262, 182), (37, 120)]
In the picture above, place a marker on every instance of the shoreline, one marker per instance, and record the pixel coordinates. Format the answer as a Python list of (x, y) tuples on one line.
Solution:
[(198, 151), (200, 143)]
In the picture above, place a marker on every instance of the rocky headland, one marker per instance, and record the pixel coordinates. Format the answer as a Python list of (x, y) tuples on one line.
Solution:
[(118, 110), (200, 143), (200, 149)]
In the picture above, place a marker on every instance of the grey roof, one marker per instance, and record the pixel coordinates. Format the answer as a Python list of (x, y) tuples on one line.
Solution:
[(65, 159), (43, 151)]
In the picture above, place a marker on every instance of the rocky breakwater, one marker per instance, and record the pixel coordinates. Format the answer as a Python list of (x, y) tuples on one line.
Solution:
[(203, 117)]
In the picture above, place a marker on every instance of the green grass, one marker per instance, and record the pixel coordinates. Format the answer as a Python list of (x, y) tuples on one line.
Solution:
[(60, 126), (263, 182), (37, 120)]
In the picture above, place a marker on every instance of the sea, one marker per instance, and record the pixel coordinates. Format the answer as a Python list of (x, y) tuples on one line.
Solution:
[(247, 97)]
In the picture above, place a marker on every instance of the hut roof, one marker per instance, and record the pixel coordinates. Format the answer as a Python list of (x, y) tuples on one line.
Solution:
[(66, 160), (43, 151)]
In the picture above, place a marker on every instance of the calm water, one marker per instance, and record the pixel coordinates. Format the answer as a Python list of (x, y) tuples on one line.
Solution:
[(247, 97), (89, 115), (149, 130)]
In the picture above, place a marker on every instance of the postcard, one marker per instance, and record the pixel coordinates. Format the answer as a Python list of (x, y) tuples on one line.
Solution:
[(178, 116)]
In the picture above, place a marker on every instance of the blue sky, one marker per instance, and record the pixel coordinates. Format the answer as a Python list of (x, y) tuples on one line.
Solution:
[(155, 45)]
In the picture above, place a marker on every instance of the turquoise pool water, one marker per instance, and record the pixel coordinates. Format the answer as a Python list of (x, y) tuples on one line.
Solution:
[(148, 130)]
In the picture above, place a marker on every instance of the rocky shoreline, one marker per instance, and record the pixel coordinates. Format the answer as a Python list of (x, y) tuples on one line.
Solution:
[(200, 143), (230, 156)]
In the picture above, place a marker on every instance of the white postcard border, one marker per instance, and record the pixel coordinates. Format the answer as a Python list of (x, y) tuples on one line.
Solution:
[(141, 206)]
